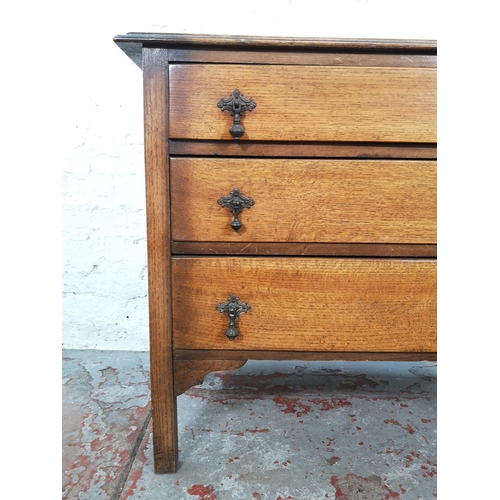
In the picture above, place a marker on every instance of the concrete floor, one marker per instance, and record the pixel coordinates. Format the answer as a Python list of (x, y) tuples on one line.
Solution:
[(288, 430)]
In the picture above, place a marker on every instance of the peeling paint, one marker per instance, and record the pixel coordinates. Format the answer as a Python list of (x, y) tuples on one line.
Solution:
[(259, 439), (99, 429)]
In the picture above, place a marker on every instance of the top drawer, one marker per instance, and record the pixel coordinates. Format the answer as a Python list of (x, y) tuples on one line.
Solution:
[(305, 103)]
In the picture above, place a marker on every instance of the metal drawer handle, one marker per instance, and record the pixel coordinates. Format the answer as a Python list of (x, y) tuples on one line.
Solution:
[(236, 202), (236, 105), (234, 308)]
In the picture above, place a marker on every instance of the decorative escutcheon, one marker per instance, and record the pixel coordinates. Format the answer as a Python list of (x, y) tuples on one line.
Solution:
[(236, 105), (234, 308), (236, 202)]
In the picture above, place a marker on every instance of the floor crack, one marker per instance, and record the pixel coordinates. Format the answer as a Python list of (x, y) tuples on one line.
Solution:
[(135, 450)]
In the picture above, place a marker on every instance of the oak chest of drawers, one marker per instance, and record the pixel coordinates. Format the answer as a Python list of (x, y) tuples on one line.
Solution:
[(291, 204)]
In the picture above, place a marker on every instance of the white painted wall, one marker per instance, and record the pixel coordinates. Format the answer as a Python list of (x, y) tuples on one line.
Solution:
[(104, 246)]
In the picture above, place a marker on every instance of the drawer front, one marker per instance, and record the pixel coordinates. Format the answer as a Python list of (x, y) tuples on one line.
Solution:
[(306, 304), (305, 103), (339, 201)]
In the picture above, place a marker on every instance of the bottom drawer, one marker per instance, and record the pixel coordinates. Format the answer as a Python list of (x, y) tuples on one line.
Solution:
[(306, 304)]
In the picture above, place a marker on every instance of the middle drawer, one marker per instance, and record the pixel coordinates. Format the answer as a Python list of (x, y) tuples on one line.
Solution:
[(327, 201)]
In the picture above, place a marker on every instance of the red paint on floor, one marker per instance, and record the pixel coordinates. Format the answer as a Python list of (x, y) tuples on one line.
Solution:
[(135, 475), (352, 484), (332, 460), (330, 403), (202, 491), (298, 408), (391, 494), (289, 405), (391, 452), (306, 400), (408, 428), (339, 495)]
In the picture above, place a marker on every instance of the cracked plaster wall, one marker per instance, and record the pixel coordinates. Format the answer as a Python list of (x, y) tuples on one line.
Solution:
[(104, 248)]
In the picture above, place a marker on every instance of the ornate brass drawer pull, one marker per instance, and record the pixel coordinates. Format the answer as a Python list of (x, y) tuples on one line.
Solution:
[(236, 105), (236, 202), (234, 308)]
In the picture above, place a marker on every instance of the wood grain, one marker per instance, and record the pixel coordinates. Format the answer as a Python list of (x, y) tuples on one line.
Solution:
[(192, 372), (261, 42), (306, 304), (132, 44), (201, 354), (159, 267), (301, 149), (330, 201), (306, 103), (301, 58), (313, 249)]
